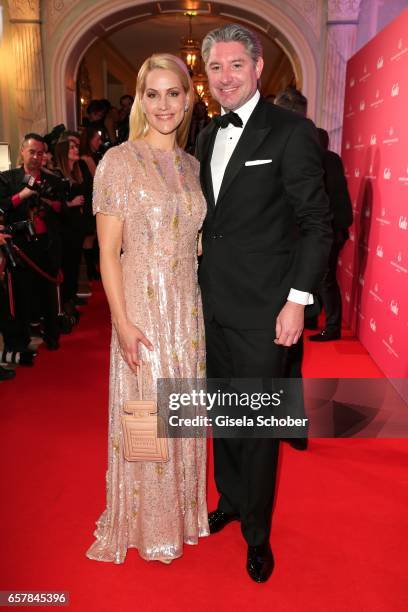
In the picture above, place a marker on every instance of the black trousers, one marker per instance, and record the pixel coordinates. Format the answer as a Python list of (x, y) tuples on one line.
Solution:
[(245, 469), (329, 290), (33, 294), (11, 328)]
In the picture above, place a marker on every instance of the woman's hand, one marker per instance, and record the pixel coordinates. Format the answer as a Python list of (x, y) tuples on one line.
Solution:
[(77, 201), (129, 337)]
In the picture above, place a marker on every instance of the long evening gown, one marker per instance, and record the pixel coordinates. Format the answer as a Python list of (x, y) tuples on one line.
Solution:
[(154, 507)]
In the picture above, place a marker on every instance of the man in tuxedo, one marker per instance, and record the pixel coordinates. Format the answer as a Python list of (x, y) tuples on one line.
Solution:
[(342, 210), (266, 239)]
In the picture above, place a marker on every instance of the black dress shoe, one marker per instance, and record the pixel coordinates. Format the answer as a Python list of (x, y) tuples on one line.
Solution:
[(6, 374), (299, 444), (326, 335), (260, 562), (52, 344), (217, 520)]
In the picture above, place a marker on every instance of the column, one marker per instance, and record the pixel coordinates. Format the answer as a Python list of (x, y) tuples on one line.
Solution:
[(342, 21), (28, 66)]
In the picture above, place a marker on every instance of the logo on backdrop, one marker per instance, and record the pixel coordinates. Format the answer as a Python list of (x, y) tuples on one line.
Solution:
[(380, 251), (391, 137), (378, 100), (365, 76), (401, 50), (403, 223), (382, 219), (371, 174), (398, 263), (350, 111), (373, 139), (347, 296), (395, 90), (352, 82), (380, 62), (357, 172), (394, 307), (373, 325), (404, 179), (387, 174), (362, 105), (359, 144), (374, 293)]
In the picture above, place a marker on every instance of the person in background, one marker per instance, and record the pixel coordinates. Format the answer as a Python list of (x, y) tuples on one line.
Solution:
[(89, 148), (126, 102), (292, 99), (72, 219), (199, 121), (342, 211), (20, 203)]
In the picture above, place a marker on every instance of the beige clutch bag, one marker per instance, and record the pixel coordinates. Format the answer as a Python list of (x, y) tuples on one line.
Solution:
[(142, 428)]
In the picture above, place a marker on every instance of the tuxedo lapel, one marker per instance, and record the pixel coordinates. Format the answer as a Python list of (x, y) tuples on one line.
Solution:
[(205, 165), (252, 137)]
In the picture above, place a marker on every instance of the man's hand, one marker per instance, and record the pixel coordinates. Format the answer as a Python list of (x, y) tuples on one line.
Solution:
[(289, 324), (26, 193)]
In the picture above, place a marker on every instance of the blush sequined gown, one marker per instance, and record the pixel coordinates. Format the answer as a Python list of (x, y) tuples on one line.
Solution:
[(154, 507)]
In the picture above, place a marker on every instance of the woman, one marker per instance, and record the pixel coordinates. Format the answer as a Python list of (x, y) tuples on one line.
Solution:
[(89, 146), (149, 204), (68, 166)]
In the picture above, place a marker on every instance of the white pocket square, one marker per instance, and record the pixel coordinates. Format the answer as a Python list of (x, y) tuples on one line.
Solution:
[(258, 162)]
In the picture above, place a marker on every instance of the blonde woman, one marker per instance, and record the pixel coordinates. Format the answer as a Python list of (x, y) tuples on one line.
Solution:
[(148, 203)]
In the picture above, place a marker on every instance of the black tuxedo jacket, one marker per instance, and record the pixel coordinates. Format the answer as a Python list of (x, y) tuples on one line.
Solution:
[(271, 227), (337, 191)]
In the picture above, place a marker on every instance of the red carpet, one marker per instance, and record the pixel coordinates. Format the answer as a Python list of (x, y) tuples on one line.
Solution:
[(340, 525)]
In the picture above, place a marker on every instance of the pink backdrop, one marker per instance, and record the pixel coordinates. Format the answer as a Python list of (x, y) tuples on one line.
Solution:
[(373, 268)]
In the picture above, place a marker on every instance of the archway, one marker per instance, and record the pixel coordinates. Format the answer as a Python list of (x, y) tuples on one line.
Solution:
[(74, 35)]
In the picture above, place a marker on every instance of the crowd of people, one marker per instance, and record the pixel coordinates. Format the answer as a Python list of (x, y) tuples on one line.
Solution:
[(47, 229)]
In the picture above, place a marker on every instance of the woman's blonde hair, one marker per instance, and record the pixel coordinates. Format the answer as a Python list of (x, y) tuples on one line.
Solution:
[(138, 125)]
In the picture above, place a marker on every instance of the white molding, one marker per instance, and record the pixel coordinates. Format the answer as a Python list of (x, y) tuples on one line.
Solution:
[(71, 29)]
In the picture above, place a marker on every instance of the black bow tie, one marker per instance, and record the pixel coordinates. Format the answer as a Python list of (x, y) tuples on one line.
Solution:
[(223, 121)]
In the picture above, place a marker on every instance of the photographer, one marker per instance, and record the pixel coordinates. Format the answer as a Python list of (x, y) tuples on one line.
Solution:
[(31, 194)]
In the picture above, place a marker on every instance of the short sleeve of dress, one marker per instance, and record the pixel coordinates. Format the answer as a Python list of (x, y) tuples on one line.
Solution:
[(110, 190)]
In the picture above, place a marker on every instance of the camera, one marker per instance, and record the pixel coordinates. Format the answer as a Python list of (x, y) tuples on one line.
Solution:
[(18, 227), (58, 191)]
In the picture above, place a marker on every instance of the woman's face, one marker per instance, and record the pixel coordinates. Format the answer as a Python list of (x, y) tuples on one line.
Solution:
[(73, 151), (95, 142), (164, 101)]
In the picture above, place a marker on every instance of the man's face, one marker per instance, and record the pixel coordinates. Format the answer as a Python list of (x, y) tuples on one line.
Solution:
[(96, 116), (32, 153), (232, 74), (126, 105)]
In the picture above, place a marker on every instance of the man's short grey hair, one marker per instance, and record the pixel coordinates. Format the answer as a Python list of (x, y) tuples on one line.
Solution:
[(233, 32)]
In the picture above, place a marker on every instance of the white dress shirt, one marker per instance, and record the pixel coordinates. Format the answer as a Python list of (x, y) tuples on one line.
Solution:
[(225, 142)]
